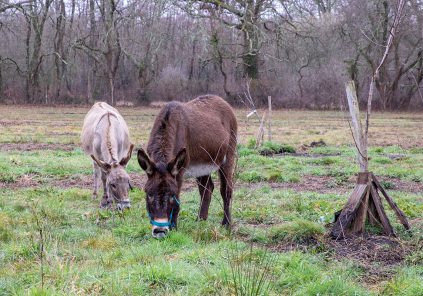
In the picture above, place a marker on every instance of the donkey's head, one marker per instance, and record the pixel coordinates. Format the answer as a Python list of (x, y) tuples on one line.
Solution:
[(117, 179), (162, 191)]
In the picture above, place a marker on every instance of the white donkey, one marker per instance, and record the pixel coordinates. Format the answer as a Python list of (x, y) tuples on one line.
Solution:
[(105, 137)]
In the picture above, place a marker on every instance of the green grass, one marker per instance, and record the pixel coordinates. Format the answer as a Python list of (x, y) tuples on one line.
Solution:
[(88, 251), (96, 252), (341, 164)]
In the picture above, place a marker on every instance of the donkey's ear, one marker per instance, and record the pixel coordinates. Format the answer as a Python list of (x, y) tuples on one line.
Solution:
[(145, 162), (177, 163), (103, 165), (124, 161)]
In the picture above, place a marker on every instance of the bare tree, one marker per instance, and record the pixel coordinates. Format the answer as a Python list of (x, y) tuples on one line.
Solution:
[(297, 51), (36, 15), (245, 16), (395, 85), (112, 52)]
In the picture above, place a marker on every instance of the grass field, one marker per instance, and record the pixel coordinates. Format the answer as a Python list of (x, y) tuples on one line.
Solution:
[(282, 207)]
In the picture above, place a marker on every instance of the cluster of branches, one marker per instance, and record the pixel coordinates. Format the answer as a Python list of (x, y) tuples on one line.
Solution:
[(298, 51)]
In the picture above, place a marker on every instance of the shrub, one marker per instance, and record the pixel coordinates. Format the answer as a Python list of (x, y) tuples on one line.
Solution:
[(270, 148), (251, 143)]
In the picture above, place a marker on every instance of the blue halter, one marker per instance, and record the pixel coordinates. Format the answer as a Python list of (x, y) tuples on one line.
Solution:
[(165, 224)]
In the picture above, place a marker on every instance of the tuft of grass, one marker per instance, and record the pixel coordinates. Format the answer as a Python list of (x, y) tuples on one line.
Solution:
[(415, 258), (5, 234), (297, 231), (255, 235), (408, 282), (381, 160), (245, 151), (387, 185), (248, 274), (102, 242), (251, 176), (205, 231), (326, 161), (303, 275)]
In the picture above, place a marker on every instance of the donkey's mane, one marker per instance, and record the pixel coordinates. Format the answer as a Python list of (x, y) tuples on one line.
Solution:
[(160, 147), (108, 139)]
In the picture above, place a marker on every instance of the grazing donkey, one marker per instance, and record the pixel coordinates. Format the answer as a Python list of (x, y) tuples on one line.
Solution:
[(194, 138), (105, 137)]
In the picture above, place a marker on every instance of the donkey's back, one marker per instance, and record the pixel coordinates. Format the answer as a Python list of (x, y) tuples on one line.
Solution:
[(100, 120)]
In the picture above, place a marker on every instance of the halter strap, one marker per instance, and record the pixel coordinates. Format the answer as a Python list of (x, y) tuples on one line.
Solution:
[(165, 224)]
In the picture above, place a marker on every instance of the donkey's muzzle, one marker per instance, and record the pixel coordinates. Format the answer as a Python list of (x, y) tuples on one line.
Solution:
[(159, 232), (124, 204)]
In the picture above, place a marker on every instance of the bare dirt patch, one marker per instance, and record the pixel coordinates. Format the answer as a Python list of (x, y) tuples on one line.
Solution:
[(369, 249), (403, 185), (12, 122), (36, 146), (79, 181), (321, 184), (304, 246), (304, 154), (377, 255), (24, 181), (327, 184)]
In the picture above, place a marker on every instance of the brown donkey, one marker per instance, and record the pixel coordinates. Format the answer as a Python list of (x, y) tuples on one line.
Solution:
[(195, 139)]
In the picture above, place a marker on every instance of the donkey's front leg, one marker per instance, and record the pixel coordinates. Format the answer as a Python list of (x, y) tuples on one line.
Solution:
[(97, 176), (105, 203)]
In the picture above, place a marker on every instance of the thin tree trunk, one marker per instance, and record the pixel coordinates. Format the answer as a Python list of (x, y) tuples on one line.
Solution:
[(91, 61), (1, 85), (250, 55), (59, 58), (251, 41)]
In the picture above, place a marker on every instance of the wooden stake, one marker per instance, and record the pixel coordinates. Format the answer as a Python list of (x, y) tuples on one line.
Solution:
[(393, 205), (357, 224), (372, 214), (381, 212), (269, 117), (356, 125), (260, 135), (349, 212)]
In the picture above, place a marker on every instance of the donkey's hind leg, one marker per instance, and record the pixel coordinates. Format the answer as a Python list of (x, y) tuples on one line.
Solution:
[(226, 176), (205, 186), (226, 189)]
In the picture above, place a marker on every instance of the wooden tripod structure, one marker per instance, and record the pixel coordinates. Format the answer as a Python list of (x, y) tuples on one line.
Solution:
[(364, 204)]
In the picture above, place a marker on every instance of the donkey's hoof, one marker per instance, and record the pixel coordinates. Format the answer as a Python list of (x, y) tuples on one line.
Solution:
[(226, 223), (105, 204)]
